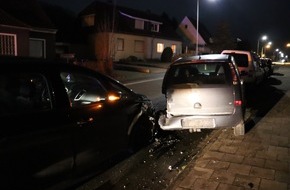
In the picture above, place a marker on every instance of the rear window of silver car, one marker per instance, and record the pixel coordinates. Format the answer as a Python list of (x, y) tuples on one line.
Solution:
[(201, 73)]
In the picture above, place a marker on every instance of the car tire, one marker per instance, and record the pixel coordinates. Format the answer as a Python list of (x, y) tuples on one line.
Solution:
[(239, 129), (141, 134)]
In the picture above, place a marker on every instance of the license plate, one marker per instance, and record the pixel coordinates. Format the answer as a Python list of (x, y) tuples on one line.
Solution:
[(198, 123)]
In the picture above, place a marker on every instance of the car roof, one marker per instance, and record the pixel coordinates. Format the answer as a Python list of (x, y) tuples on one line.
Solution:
[(202, 58)]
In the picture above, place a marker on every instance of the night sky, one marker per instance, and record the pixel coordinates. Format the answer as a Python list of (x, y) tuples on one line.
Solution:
[(248, 19)]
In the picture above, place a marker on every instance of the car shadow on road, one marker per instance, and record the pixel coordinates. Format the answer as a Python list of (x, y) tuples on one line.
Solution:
[(261, 99)]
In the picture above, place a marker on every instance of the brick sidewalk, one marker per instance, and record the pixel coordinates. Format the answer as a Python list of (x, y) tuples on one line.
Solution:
[(258, 160)]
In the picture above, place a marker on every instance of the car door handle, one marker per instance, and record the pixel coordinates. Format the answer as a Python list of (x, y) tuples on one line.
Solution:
[(85, 123)]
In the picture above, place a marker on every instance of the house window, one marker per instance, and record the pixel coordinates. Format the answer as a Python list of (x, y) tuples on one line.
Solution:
[(89, 20), (173, 47), (8, 44), (37, 48), (160, 47), (139, 24), (154, 27), (185, 26), (139, 46), (120, 44)]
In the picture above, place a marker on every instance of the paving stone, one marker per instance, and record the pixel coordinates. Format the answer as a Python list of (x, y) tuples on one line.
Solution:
[(205, 184), (266, 155), (278, 150), (239, 168), (284, 158), (272, 185), (233, 158), (223, 186), (260, 162), (202, 172), (217, 165), (277, 165), (223, 176), (262, 173), (201, 163), (212, 155), (246, 151), (228, 149), (282, 176), (248, 182), (215, 146), (188, 181)]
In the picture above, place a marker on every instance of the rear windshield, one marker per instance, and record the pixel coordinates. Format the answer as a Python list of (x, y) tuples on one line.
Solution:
[(202, 73), (240, 59)]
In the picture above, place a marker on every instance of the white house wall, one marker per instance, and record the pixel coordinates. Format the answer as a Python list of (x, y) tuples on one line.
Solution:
[(150, 46)]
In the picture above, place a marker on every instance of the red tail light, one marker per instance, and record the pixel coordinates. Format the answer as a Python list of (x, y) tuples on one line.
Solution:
[(238, 102)]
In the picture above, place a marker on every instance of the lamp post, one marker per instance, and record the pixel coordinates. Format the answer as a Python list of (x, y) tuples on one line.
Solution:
[(197, 26), (263, 38), (197, 23)]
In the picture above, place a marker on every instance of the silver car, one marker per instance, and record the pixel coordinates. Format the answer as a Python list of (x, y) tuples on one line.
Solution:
[(203, 92)]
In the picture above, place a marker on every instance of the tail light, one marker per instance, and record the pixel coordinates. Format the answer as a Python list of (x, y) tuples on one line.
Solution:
[(238, 102)]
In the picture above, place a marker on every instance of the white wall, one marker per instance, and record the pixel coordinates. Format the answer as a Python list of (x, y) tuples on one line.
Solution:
[(150, 44)]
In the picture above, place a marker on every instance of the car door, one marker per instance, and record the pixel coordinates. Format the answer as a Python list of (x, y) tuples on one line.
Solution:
[(35, 139), (102, 124)]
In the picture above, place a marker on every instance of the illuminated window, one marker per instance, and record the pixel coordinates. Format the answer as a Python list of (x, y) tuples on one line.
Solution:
[(139, 24), (160, 47), (89, 20), (8, 44), (173, 47), (139, 46), (120, 44)]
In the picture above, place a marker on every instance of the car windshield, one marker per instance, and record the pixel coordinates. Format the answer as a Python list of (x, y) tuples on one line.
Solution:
[(202, 73)]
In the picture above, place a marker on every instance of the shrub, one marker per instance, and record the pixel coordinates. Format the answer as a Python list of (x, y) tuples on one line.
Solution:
[(166, 55)]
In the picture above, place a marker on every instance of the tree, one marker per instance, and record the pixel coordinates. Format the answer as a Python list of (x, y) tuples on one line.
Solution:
[(166, 55), (223, 39)]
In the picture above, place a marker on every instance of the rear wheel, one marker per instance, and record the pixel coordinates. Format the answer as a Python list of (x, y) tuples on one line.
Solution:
[(239, 129)]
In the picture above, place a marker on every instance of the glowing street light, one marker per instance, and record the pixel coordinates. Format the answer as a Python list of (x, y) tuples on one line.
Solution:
[(263, 38)]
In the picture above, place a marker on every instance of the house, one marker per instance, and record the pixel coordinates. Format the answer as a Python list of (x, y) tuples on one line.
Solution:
[(188, 32), (25, 30), (123, 32)]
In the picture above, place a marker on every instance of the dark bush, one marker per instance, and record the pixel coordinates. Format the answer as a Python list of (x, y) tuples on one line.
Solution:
[(166, 55)]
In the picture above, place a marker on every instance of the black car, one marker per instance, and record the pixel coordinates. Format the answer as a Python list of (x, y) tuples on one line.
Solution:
[(267, 65), (62, 123)]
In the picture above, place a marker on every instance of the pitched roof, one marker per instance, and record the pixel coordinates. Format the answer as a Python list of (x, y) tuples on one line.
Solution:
[(202, 30), (27, 12), (7, 19), (104, 13)]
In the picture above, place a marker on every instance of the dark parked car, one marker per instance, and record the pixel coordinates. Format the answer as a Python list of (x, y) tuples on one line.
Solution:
[(62, 123), (203, 92), (267, 65)]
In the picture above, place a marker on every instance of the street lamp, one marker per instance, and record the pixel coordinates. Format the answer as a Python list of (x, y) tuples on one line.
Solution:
[(197, 18), (263, 38), (266, 47), (197, 25)]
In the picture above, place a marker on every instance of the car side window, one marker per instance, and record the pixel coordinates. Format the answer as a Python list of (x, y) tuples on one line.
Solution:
[(24, 93), (82, 89)]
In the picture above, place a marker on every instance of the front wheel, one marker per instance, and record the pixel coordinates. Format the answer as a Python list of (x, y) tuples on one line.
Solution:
[(142, 134), (239, 129)]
